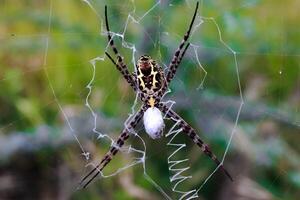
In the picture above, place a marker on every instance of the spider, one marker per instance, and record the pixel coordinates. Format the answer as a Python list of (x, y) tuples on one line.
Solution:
[(150, 83)]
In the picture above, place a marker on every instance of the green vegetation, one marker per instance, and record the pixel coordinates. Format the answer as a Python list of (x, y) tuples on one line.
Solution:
[(46, 68)]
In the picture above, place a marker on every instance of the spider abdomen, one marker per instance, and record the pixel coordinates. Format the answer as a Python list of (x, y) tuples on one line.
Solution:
[(153, 122)]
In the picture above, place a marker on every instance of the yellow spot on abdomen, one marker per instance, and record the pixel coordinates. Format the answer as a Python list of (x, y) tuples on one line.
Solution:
[(151, 102)]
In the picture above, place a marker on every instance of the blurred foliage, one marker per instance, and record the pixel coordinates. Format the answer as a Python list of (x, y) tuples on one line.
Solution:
[(45, 69)]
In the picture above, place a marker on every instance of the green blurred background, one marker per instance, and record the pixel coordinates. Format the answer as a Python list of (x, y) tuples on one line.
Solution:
[(46, 66)]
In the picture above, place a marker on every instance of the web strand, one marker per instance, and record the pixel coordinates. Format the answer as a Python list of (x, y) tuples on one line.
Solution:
[(47, 37), (69, 101), (177, 178)]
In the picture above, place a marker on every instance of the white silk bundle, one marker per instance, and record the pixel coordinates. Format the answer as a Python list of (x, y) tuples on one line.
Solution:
[(153, 122)]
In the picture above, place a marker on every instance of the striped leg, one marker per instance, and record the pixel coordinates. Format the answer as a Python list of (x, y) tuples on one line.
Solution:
[(132, 82), (113, 150), (178, 54), (165, 86), (192, 134), (121, 66)]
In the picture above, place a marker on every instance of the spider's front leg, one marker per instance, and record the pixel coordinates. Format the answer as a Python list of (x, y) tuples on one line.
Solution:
[(193, 135), (120, 64), (113, 150), (179, 54)]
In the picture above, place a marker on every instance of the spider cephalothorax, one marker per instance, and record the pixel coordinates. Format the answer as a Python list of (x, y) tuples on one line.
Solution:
[(151, 84), (149, 78)]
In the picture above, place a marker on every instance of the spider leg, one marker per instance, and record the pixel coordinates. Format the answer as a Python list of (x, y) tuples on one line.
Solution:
[(181, 56), (140, 94), (89, 177), (121, 66), (165, 86), (112, 60), (192, 134), (177, 56)]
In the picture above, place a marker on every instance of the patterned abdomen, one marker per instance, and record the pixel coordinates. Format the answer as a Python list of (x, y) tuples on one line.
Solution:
[(149, 76)]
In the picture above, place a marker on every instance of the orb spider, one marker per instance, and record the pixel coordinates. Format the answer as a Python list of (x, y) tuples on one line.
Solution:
[(150, 83)]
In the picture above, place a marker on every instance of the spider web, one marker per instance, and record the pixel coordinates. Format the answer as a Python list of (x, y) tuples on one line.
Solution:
[(177, 173), (135, 20)]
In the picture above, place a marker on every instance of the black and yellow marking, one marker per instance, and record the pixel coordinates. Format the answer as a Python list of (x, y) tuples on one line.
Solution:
[(149, 77)]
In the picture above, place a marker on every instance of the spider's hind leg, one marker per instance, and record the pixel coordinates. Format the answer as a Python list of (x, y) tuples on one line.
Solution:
[(105, 160), (88, 178), (193, 135)]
